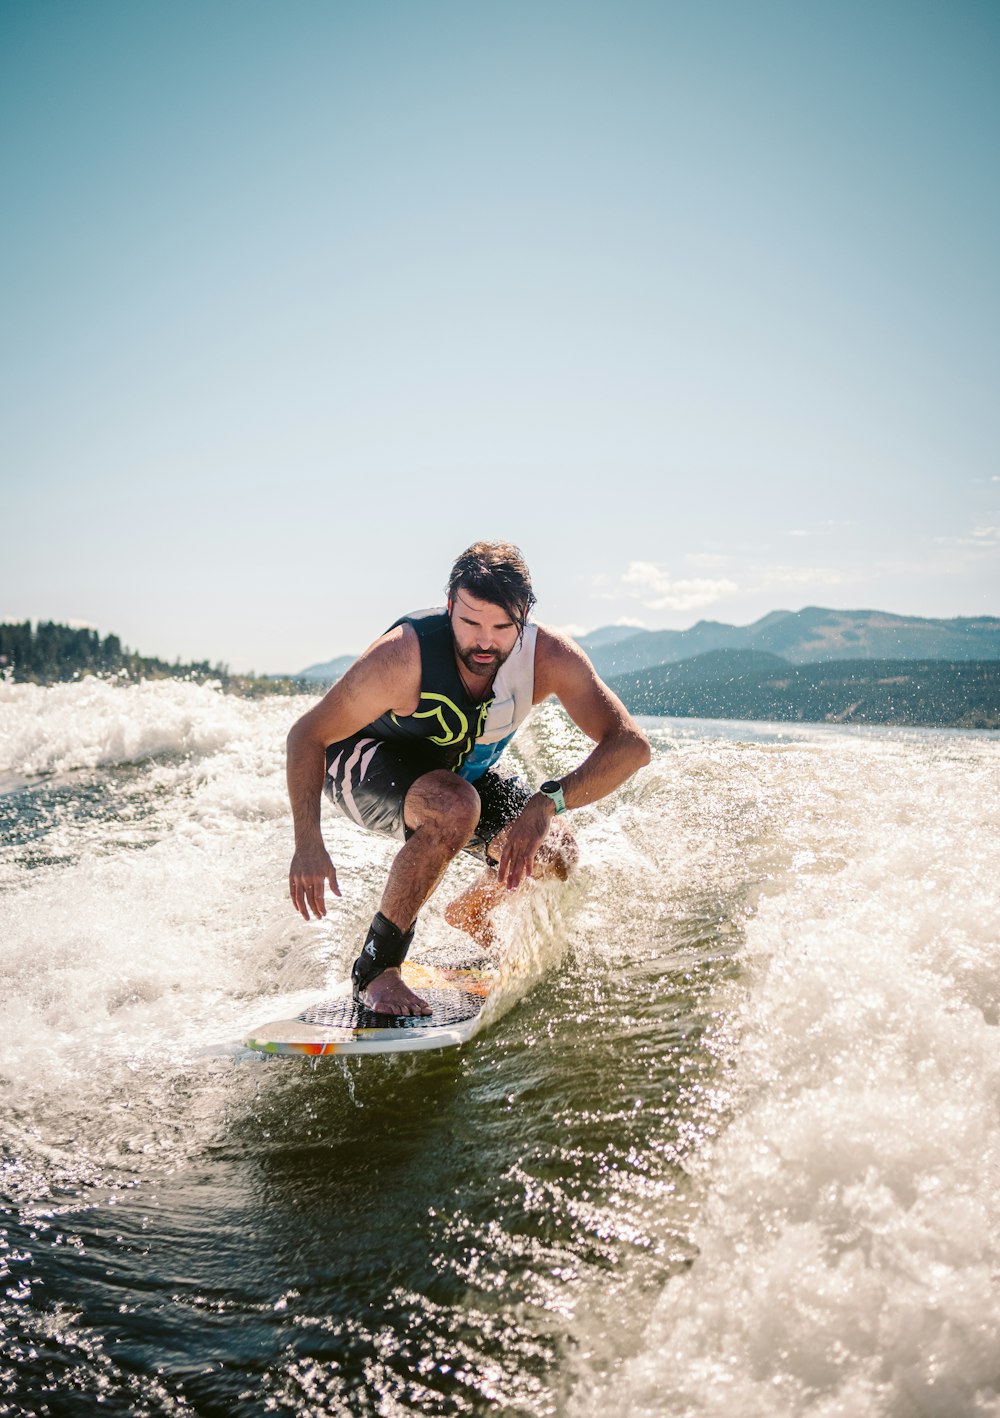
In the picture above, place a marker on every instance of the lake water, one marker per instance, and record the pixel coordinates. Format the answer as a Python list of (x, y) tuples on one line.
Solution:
[(735, 1152)]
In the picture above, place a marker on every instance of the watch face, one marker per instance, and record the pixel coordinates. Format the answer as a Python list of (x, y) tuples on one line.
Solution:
[(552, 786)]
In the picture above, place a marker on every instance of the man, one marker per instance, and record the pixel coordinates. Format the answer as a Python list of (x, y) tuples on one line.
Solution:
[(405, 744)]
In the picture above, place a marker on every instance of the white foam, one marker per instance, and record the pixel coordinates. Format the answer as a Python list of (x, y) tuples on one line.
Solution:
[(93, 722), (184, 944), (849, 1243), (110, 948)]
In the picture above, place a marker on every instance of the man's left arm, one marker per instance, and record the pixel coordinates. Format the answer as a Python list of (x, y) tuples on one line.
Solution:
[(620, 747)]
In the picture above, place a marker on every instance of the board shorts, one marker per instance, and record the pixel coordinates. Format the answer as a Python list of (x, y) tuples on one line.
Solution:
[(368, 779)]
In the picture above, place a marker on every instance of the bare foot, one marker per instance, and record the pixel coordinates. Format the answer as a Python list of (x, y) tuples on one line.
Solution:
[(387, 994)]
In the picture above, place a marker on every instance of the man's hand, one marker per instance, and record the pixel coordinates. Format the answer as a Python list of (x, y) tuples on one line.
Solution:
[(311, 868), (522, 840)]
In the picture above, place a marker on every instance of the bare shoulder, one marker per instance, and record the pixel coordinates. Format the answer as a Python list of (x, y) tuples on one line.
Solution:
[(560, 663), (397, 649), (384, 677), (392, 663)]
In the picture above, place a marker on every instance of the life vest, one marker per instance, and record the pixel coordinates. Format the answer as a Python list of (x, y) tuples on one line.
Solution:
[(448, 727)]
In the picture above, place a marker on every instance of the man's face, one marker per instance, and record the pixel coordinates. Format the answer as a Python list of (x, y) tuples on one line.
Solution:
[(484, 634)]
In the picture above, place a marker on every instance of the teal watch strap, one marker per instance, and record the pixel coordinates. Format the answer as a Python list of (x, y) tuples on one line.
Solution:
[(553, 789)]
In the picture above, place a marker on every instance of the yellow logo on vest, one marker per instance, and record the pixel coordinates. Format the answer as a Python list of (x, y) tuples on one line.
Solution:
[(454, 724)]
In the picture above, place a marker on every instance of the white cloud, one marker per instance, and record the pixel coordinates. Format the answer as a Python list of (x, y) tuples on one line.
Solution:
[(657, 590), (980, 538), (575, 631), (706, 560), (571, 629)]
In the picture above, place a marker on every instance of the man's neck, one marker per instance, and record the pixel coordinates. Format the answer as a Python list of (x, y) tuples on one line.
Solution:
[(476, 686)]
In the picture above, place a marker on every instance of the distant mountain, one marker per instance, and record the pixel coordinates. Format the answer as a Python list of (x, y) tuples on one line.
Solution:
[(326, 673), (608, 635), (753, 684), (801, 637), (714, 666)]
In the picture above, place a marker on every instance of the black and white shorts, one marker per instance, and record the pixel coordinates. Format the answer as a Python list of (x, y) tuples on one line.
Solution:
[(368, 780)]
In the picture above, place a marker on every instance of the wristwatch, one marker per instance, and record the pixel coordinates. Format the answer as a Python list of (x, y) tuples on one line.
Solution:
[(554, 789)]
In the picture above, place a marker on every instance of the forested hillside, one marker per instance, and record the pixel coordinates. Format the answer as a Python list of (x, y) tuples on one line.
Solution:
[(49, 652), (735, 684)]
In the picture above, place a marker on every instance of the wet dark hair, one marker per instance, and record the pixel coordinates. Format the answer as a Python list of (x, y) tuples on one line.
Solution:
[(495, 572)]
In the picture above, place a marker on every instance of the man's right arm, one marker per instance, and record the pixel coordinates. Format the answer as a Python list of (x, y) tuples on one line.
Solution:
[(386, 676)]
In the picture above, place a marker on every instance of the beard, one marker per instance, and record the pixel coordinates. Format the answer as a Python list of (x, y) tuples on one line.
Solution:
[(479, 668)]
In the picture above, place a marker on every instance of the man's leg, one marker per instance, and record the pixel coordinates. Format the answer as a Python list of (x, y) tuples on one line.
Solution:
[(471, 912), (441, 810)]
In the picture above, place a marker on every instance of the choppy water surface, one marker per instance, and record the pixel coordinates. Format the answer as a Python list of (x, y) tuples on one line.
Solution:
[(735, 1153)]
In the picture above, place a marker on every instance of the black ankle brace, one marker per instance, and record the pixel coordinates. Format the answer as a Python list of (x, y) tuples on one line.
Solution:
[(386, 946)]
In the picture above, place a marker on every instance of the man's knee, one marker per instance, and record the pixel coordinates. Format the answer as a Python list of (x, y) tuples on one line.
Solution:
[(443, 805)]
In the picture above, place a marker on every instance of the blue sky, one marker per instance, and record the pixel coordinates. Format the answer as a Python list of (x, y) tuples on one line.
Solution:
[(696, 302)]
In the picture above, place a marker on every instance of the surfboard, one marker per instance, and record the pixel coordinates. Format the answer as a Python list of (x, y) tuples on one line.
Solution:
[(458, 997)]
